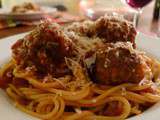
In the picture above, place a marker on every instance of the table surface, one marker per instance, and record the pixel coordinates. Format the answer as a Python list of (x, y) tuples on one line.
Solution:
[(15, 30), (145, 23)]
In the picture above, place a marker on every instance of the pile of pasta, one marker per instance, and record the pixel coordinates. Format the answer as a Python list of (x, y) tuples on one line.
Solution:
[(75, 97)]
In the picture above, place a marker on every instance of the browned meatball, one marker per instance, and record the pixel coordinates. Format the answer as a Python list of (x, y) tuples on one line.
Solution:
[(118, 63), (45, 49), (114, 29), (110, 29)]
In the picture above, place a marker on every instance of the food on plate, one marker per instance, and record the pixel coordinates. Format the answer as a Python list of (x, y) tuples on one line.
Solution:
[(49, 46), (109, 29), (119, 63), (87, 70), (26, 7)]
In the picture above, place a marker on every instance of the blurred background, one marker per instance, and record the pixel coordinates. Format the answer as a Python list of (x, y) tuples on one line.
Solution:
[(17, 16)]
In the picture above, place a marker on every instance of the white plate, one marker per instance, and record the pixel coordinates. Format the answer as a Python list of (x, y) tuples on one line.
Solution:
[(5, 14), (9, 112)]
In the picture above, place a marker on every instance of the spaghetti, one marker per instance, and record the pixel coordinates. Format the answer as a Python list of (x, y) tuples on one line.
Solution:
[(50, 100)]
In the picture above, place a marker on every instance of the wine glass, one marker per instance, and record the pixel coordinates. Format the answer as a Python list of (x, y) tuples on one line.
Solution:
[(137, 5)]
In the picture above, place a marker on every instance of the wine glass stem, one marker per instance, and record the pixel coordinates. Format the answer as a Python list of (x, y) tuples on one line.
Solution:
[(136, 17)]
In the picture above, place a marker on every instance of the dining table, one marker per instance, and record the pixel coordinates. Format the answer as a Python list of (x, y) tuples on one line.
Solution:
[(146, 24)]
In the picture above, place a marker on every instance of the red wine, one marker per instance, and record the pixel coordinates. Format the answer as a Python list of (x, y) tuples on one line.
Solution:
[(137, 3)]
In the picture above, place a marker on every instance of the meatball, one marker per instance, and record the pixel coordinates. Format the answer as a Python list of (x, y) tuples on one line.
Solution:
[(118, 63), (110, 29), (114, 29), (44, 49)]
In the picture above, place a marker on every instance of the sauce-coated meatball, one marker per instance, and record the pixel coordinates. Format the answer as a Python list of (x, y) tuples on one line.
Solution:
[(118, 63), (45, 48)]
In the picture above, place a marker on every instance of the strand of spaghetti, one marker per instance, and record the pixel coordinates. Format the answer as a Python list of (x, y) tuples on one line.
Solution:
[(68, 95), (77, 69), (78, 116), (29, 91), (65, 115), (104, 95), (129, 96), (41, 107), (48, 108), (34, 97), (138, 97), (45, 105), (15, 90), (155, 67), (126, 110), (38, 84), (74, 104), (134, 87), (12, 94), (138, 87), (98, 90), (42, 116), (6, 66), (61, 110), (133, 99), (93, 103), (41, 100), (30, 106), (135, 110), (152, 97)]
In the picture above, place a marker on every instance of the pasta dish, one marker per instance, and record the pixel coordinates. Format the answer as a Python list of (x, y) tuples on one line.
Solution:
[(27, 7), (90, 70)]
